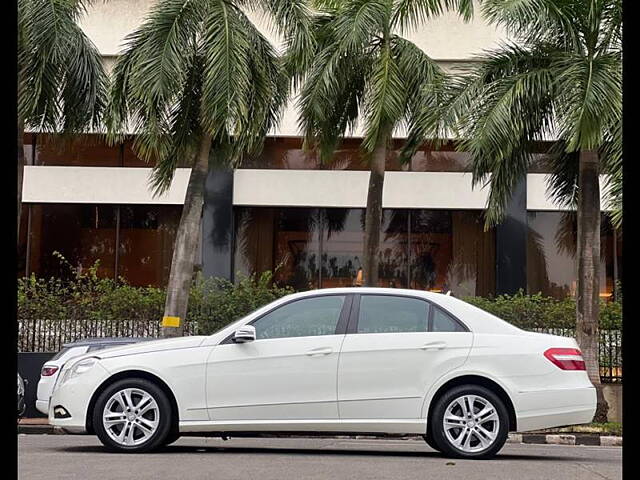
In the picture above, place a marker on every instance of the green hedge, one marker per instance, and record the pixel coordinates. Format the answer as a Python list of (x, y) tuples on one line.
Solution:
[(53, 311), (539, 312)]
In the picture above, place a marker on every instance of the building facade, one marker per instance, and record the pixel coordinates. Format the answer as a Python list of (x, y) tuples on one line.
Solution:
[(284, 211)]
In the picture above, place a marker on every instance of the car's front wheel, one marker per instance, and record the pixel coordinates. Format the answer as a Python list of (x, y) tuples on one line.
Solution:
[(132, 415), (470, 421)]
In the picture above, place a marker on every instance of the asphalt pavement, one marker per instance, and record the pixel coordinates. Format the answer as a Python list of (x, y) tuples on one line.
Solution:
[(47, 457)]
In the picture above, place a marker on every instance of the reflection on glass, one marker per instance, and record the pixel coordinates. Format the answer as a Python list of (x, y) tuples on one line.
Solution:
[(287, 153), (297, 248), (393, 257), (83, 150), (83, 234), (22, 240), (285, 241), (147, 235), (430, 249), (551, 255), (342, 242), (437, 249)]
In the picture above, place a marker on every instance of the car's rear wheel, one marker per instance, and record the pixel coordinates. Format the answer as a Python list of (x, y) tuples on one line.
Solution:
[(132, 415), (430, 441), (469, 421)]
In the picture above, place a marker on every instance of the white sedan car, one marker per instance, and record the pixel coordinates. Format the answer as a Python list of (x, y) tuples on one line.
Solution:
[(365, 361)]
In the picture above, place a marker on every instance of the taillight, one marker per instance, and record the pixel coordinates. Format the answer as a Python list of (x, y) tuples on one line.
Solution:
[(566, 358), (48, 371)]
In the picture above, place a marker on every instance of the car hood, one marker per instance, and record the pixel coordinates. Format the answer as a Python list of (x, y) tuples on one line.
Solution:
[(149, 346)]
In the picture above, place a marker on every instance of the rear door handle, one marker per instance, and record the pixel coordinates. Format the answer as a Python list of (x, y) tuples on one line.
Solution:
[(434, 346), (320, 351)]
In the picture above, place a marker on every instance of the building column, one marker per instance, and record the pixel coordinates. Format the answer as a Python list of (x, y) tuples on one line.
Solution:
[(511, 244), (217, 225)]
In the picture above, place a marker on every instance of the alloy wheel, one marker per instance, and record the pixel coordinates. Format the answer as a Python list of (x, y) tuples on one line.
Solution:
[(471, 423), (131, 416)]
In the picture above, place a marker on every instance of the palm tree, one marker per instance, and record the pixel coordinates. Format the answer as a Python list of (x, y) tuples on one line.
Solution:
[(61, 79), (561, 77), (197, 80), (365, 72)]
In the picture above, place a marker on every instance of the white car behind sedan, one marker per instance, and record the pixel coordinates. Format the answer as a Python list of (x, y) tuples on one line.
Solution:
[(365, 361)]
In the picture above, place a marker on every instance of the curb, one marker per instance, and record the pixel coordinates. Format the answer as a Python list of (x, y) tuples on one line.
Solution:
[(529, 438), (566, 439)]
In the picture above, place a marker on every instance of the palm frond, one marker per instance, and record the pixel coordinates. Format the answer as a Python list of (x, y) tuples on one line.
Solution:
[(409, 14)]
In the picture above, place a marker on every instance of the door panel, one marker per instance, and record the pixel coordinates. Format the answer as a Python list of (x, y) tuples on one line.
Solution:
[(289, 372), (386, 375), (274, 379), (389, 359)]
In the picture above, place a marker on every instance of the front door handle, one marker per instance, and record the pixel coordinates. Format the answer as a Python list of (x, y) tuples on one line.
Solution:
[(434, 346), (320, 351)]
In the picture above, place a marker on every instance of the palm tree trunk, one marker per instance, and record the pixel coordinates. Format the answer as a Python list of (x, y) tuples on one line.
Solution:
[(373, 216), (186, 244), (588, 294), (20, 170)]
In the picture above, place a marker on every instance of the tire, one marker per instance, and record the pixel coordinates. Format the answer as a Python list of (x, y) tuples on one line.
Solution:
[(172, 437), (430, 441), (150, 427), (477, 437)]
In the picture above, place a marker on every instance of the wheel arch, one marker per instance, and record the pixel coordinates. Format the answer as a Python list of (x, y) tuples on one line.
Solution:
[(474, 379), (129, 374)]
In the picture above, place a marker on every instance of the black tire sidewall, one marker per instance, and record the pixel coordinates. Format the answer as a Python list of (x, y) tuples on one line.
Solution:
[(164, 427), (437, 429)]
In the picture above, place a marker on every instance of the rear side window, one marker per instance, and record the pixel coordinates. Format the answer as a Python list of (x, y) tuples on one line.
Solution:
[(443, 322), (389, 314)]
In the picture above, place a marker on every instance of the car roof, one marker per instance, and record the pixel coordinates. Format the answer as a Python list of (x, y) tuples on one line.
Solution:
[(478, 320), (106, 341)]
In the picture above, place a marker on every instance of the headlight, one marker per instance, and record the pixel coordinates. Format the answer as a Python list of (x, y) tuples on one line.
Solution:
[(78, 368)]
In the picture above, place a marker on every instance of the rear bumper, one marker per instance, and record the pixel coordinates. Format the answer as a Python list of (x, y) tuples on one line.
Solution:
[(555, 408)]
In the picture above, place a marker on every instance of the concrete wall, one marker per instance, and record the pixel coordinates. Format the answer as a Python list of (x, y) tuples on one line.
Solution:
[(447, 39)]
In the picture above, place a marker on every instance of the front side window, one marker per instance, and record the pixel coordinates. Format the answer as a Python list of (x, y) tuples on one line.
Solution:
[(388, 314), (309, 317)]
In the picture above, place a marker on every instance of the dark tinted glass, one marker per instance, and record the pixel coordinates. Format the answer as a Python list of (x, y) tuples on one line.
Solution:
[(309, 317), (388, 314), (443, 322)]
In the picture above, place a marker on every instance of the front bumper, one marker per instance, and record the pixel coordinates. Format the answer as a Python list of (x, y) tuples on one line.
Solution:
[(555, 408), (74, 396), (42, 406)]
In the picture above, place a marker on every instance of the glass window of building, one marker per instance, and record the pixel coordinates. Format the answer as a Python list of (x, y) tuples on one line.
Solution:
[(82, 234), (80, 151), (342, 241), (283, 240), (146, 238), (551, 255), (288, 153), (297, 247), (449, 250)]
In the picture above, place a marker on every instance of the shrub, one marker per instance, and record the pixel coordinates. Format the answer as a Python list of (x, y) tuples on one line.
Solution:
[(534, 312), (54, 311)]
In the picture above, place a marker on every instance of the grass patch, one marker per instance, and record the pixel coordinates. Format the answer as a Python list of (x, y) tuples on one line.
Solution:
[(609, 428)]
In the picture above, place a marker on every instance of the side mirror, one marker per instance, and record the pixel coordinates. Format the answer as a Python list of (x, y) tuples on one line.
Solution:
[(245, 334)]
